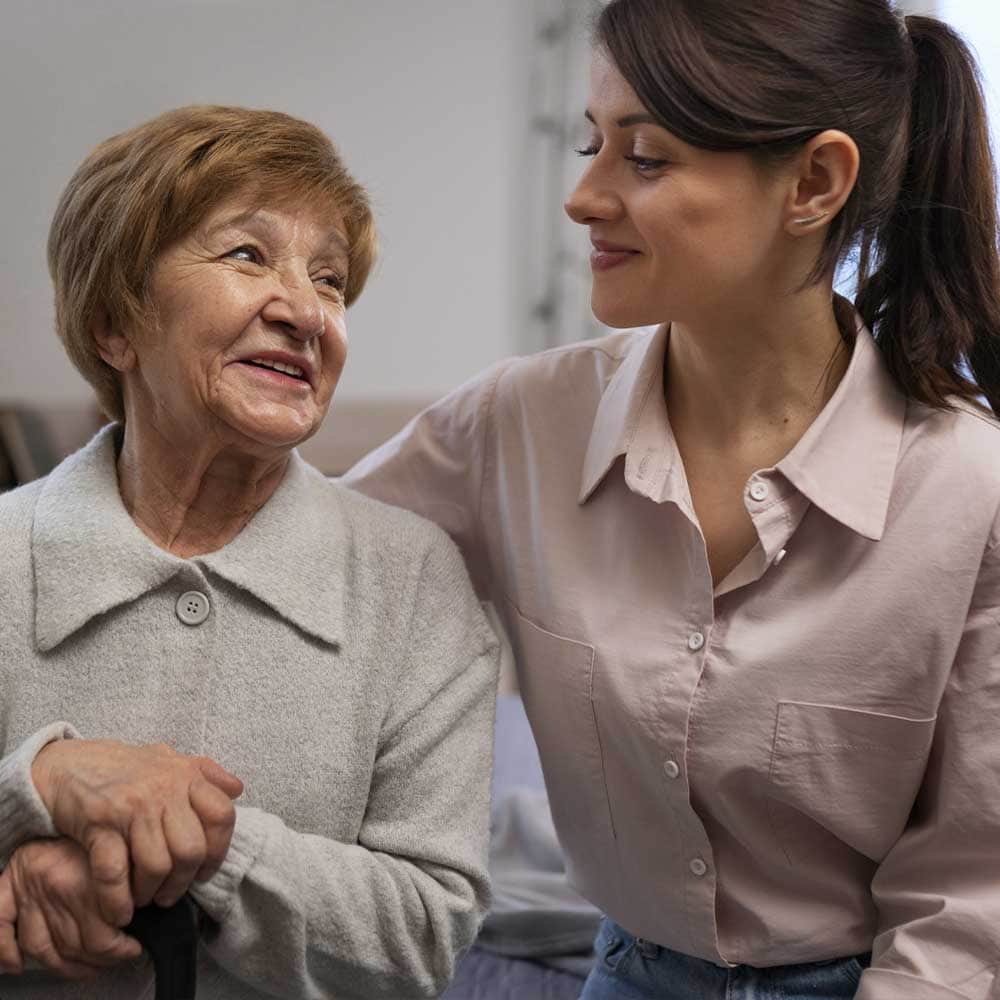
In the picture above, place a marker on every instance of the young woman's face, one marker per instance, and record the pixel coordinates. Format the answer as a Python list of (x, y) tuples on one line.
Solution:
[(679, 233)]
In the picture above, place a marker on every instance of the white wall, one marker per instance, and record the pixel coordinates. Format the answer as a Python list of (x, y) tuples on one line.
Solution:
[(424, 98), (431, 102)]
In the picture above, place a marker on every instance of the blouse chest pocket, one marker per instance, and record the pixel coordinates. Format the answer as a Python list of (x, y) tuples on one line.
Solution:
[(556, 679), (852, 772)]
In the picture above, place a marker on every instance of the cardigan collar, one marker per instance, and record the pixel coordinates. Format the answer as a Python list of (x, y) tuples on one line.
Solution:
[(89, 555)]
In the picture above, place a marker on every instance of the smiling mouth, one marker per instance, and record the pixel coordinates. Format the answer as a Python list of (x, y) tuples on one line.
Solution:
[(278, 371), (607, 260)]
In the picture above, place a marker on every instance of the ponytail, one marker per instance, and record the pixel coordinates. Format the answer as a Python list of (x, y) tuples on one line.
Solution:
[(766, 77), (929, 274)]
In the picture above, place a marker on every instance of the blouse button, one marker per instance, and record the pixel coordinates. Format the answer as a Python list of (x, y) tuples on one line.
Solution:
[(192, 607), (671, 769), (695, 641), (698, 867), (759, 491)]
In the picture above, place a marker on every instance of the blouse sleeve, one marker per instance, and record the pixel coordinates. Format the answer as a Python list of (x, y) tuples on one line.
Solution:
[(938, 890), (436, 467), (295, 914)]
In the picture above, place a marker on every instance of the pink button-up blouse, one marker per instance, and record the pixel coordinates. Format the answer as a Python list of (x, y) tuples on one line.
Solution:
[(801, 763)]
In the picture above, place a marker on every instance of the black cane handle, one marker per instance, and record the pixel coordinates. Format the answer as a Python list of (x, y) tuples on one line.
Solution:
[(170, 935)]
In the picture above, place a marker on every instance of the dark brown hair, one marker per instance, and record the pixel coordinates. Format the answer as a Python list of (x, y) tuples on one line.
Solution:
[(139, 191), (766, 76)]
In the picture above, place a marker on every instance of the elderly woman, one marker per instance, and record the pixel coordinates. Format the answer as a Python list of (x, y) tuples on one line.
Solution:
[(189, 612)]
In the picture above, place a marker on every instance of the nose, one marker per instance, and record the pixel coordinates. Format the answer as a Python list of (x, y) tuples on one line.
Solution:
[(295, 306), (593, 199)]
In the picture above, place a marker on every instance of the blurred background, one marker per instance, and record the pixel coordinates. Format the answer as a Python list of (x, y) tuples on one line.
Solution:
[(459, 116)]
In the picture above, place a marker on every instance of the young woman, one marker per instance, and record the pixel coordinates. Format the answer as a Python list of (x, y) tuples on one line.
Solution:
[(749, 562)]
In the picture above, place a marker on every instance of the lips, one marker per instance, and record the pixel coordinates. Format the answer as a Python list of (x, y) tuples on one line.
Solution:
[(284, 366), (268, 376), (603, 246), (607, 256)]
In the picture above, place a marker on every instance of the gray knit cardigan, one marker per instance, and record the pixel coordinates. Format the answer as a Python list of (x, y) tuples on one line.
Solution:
[(345, 672)]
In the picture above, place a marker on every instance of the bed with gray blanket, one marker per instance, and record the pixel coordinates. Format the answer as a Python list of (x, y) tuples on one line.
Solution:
[(536, 941)]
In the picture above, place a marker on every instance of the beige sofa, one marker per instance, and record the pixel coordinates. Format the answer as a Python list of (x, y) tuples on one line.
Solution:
[(35, 438)]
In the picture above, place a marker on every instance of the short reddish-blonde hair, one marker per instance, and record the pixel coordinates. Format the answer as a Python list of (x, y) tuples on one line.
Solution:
[(140, 191)]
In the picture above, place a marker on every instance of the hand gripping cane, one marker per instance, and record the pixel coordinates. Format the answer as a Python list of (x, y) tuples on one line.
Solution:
[(170, 935)]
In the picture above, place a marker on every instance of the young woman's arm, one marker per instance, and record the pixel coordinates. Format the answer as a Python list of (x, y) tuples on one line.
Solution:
[(938, 889)]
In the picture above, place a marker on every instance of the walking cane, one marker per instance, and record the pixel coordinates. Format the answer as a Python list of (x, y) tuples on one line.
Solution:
[(170, 935)]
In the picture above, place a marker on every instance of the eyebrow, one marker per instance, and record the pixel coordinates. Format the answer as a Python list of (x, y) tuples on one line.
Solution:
[(262, 218), (641, 118)]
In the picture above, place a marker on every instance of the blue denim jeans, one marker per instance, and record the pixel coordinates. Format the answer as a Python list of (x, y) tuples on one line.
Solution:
[(628, 968)]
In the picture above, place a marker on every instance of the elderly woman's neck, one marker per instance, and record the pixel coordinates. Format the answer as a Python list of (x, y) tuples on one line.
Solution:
[(190, 501)]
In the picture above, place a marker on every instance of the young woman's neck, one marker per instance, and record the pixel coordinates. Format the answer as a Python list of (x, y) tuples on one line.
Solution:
[(757, 374), (192, 497)]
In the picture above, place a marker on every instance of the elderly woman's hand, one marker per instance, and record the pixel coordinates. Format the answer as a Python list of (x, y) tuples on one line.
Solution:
[(10, 955), (48, 912), (164, 816)]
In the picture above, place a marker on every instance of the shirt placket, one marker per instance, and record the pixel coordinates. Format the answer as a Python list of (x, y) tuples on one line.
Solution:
[(776, 511), (653, 469), (694, 869)]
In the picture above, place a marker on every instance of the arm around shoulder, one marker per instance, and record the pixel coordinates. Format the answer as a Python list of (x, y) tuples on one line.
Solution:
[(437, 465)]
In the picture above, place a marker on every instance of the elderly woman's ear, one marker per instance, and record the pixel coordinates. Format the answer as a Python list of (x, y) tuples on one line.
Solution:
[(112, 344)]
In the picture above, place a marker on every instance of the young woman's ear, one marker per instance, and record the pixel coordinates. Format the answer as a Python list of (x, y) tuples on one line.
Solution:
[(825, 173)]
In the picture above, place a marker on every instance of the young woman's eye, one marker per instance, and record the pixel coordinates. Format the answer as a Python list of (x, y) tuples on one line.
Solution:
[(247, 253), (591, 150), (645, 164)]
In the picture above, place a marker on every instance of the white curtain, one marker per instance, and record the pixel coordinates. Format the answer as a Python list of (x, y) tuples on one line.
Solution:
[(555, 272)]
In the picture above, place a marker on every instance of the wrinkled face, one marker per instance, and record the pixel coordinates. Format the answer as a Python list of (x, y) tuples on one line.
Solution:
[(678, 233), (251, 336)]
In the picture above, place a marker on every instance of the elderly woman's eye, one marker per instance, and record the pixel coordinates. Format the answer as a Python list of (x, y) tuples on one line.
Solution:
[(245, 252), (333, 280)]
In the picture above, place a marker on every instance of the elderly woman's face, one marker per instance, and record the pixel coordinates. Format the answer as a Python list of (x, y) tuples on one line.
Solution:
[(251, 336)]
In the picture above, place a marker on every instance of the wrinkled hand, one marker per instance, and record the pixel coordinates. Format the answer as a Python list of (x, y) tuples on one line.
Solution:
[(164, 816), (49, 912), (10, 955)]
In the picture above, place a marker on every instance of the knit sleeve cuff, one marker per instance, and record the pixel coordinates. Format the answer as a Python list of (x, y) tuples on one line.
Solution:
[(217, 895), (23, 815)]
